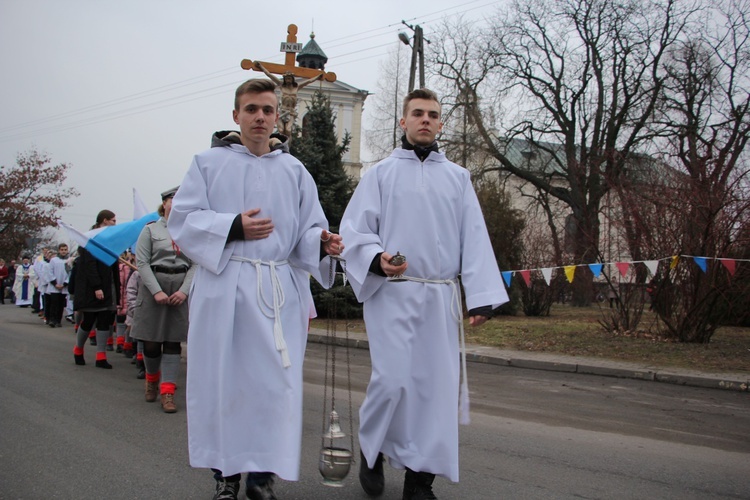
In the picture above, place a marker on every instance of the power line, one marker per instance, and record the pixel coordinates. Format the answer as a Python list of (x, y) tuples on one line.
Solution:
[(121, 100), (379, 32), (145, 108)]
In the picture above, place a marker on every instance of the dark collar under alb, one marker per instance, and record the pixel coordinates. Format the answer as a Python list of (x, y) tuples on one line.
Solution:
[(422, 152)]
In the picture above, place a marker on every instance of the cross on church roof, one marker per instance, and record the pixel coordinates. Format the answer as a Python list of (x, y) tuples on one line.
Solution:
[(290, 47)]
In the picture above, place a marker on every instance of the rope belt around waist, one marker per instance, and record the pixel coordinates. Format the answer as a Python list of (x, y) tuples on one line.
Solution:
[(273, 310), (457, 310), (169, 270)]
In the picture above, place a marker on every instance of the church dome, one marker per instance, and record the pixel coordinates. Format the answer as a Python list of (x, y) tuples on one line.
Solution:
[(312, 56)]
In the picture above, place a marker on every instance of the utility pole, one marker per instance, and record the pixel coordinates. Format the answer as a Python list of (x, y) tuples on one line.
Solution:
[(417, 51), (395, 96)]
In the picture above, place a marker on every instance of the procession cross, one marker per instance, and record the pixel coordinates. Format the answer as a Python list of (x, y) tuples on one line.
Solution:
[(288, 84)]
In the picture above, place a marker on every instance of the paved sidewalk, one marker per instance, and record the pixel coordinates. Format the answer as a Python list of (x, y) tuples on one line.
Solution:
[(572, 364)]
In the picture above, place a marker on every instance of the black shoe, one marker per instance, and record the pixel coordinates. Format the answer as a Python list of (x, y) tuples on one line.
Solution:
[(226, 490), (372, 480), (119, 349), (103, 363), (418, 486), (92, 340), (141, 373), (260, 491), (51, 324), (110, 348), (79, 359), (70, 318)]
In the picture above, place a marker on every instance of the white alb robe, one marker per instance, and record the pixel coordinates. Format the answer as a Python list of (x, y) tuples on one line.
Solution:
[(429, 212), (244, 408)]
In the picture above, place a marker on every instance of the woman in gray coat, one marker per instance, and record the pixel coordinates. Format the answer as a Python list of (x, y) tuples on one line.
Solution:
[(160, 318)]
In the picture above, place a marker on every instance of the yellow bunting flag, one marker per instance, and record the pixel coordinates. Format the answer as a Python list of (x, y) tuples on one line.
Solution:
[(570, 273), (675, 261)]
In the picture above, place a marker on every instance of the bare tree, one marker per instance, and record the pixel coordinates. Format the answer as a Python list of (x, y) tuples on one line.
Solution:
[(31, 195), (583, 78), (704, 119), (384, 133)]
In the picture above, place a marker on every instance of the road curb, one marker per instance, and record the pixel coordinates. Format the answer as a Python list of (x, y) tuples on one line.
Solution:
[(710, 381)]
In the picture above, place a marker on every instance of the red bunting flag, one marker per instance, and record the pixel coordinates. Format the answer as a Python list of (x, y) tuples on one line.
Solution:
[(623, 267), (730, 264), (526, 275)]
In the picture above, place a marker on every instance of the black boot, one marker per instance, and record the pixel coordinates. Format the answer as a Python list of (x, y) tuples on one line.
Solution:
[(418, 485), (372, 480), (259, 486)]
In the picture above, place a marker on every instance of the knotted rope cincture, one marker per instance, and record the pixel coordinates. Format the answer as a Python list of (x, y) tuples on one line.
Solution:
[(272, 310)]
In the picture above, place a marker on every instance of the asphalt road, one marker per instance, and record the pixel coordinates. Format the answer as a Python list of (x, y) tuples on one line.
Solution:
[(71, 432)]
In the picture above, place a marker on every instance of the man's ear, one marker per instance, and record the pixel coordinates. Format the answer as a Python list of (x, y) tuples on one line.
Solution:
[(235, 114)]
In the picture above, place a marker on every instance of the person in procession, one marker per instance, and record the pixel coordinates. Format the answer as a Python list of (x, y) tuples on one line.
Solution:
[(124, 341), (160, 319), (4, 273), (248, 214), (37, 301), (419, 205), (23, 288), (40, 267), (57, 277), (97, 286), (131, 291)]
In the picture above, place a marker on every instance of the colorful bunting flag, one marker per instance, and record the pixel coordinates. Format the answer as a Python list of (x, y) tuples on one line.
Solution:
[(652, 266), (730, 264), (701, 261), (570, 273), (526, 275), (547, 273), (623, 267), (596, 269), (507, 277)]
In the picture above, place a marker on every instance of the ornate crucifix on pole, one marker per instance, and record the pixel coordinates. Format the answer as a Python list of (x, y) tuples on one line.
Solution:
[(288, 83)]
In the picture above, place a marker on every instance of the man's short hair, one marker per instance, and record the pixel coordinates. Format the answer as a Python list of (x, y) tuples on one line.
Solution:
[(62, 245), (253, 86), (419, 94)]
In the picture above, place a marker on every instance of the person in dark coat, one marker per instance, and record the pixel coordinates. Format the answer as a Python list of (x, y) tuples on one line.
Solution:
[(97, 290)]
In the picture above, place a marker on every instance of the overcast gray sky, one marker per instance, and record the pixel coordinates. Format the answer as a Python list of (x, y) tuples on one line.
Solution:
[(127, 92)]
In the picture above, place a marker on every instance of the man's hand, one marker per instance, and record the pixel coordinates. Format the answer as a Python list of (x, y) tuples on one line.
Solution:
[(161, 298), (99, 294), (332, 243), (477, 320), (255, 229), (177, 298), (59, 287), (388, 268)]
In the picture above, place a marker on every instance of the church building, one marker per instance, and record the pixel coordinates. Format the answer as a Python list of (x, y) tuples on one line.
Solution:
[(347, 103)]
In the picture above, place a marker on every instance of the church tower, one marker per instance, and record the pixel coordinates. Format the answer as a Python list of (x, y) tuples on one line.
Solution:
[(312, 56)]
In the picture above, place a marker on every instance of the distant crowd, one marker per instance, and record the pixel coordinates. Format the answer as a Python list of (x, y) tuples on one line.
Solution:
[(45, 284)]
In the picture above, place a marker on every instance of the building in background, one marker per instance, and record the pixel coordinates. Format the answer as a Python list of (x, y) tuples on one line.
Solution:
[(347, 103)]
